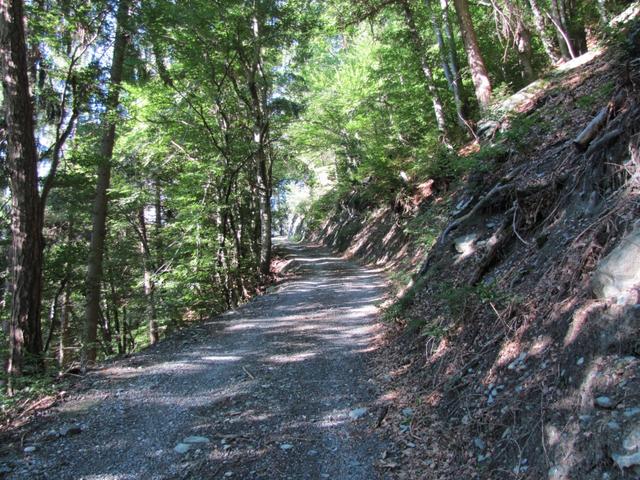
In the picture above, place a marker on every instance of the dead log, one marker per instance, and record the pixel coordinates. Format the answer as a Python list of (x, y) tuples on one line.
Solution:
[(499, 187), (495, 245), (603, 142), (586, 136), (583, 140)]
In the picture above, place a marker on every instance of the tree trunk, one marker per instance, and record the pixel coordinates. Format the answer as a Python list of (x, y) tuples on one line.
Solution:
[(479, 73), (64, 344), (539, 23), (53, 314), (25, 336), (450, 70), (258, 90), (420, 50), (264, 204), (65, 336), (557, 17), (521, 36), (462, 102), (98, 233), (158, 225), (602, 9), (148, 283)]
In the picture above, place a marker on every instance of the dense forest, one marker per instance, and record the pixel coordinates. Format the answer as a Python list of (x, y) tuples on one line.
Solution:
[(150, 149)]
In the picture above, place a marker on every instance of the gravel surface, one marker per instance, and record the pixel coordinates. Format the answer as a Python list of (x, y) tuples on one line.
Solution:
[(278, 389)]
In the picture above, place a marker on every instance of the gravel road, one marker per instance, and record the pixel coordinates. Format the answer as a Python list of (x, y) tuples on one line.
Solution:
[(274, 390)]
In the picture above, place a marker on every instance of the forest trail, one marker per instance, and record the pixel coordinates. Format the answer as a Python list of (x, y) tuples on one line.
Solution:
[(270, 387)]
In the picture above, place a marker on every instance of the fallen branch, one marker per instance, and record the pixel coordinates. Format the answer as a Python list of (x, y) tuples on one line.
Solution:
[(586, 136), (499, 187), (513, 223), (494, 246), (606, 140)]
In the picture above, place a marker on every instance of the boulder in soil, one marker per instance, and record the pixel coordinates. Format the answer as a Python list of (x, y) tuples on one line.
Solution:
[(619, 271)]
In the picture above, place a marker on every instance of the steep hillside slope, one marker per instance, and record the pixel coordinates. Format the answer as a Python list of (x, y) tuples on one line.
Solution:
[(514, 352)]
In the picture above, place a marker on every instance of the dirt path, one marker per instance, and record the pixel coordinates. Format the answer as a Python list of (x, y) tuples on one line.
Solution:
[(271, 386)]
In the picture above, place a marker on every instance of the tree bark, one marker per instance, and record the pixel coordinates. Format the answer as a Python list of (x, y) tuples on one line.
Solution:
[(148, 282), (557, 17), (64, 343), (517, 31), (462, 102), (258, 91), (448, 58), (65, 336), (25, 335), (602, 9), (479, 73), (539, 23), (420, 50), (53, 314), (100, 205)]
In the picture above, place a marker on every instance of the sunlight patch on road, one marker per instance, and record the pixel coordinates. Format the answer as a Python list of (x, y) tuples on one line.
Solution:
[(292, 357), (222, 358)]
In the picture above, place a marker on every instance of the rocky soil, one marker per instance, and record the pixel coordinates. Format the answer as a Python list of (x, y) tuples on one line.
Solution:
[(280, 388)]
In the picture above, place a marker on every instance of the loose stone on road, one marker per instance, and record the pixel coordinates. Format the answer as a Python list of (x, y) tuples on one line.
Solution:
[(278, 389)]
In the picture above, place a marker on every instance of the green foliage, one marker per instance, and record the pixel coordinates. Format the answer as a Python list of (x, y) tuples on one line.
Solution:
[(458, 299), (604, 92), (346, 112), (398, 308), (425, 227)]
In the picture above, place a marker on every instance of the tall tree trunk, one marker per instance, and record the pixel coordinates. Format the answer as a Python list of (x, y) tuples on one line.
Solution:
[(64, 343), (420, 50), (479, 73), (148, 283), (449, 68), (64, 339), (602, 9), (53, 314), (258, 90), (515, 29), (539, 23), (557, 17), (462, 102), (264, 198), (98, 233), (25, 335), (158, 225)]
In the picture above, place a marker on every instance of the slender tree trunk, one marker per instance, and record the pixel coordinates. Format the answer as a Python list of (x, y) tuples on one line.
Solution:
[(258, 91), (547, 41), (98, 233), (264, 198), (25, 335), (105, 328), (602, 9), (53, 314), (515, 27), (65, 337), (158, 226), (64, 344), (148, 283), (458, 89), (421, 52), (557, 17), (449, 67), (479, 73)]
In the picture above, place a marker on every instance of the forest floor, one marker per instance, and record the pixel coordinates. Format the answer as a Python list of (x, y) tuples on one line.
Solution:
[(279, 388)]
